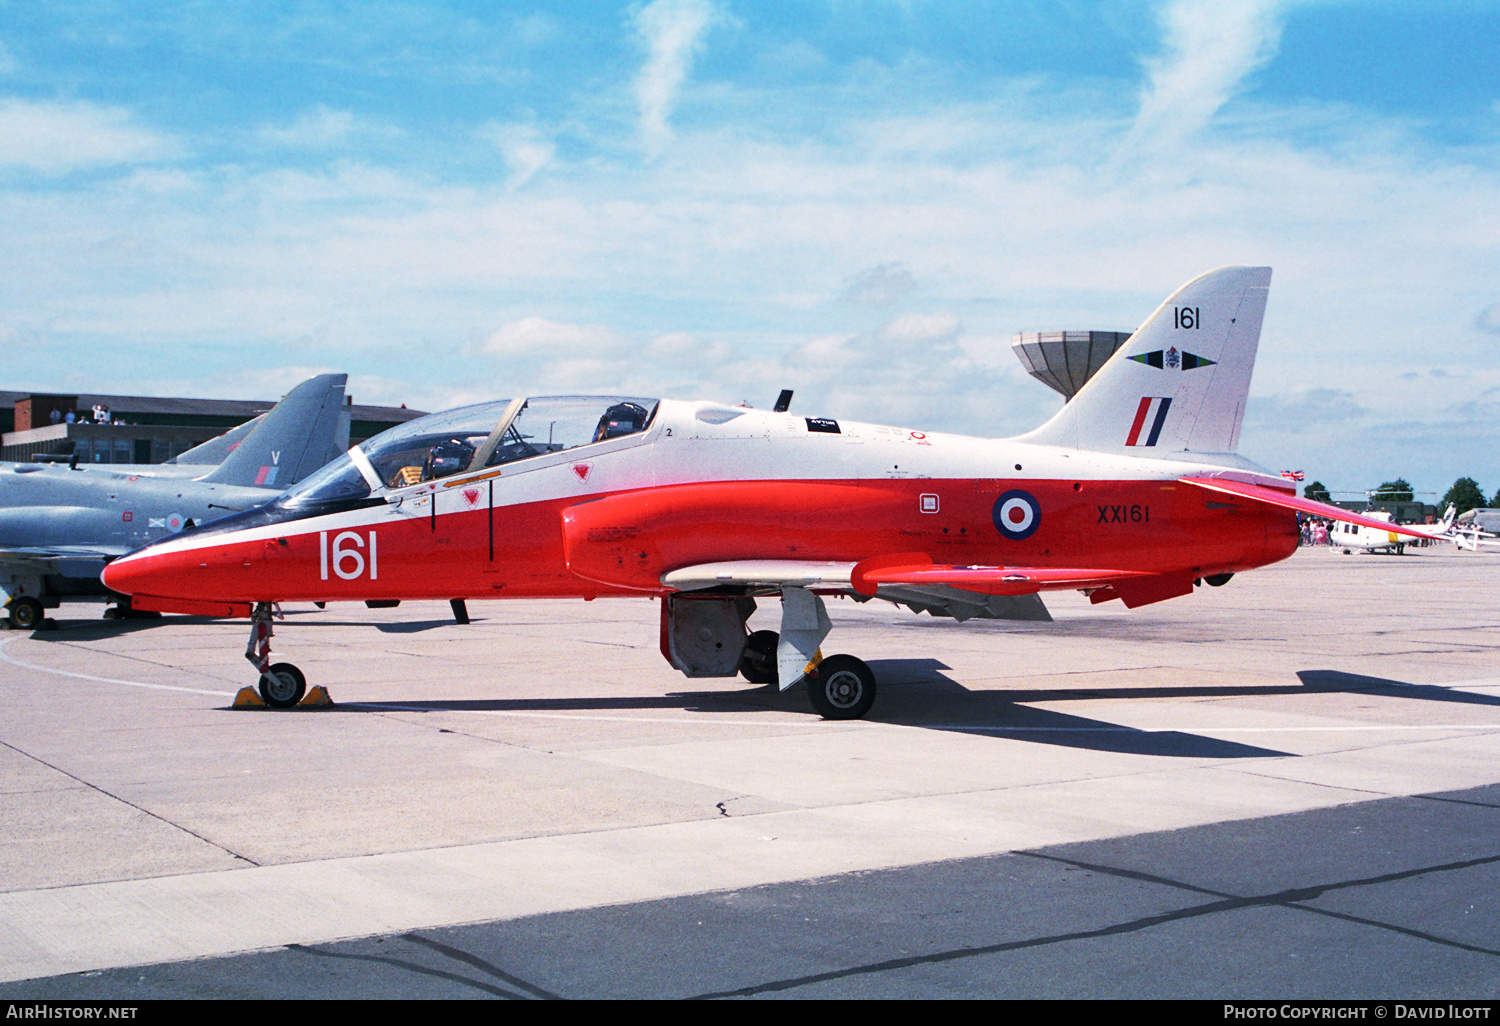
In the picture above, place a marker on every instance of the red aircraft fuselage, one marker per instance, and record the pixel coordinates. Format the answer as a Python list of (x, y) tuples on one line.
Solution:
[(706, 484)]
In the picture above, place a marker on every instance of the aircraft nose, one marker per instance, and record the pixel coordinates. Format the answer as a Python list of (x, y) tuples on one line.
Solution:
[(157, 569), (127, 574)]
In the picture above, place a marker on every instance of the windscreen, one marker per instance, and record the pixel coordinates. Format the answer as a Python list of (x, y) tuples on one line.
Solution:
[(472, 438)]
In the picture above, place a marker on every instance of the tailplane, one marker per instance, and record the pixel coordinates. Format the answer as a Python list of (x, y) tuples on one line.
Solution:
[(1179, 384)]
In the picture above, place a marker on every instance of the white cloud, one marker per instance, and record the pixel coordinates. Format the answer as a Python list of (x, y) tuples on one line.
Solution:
[(315, 129), (672, 31), (379, 390), (538, 337), (913, 329), (523, 148), (59, 136), (1210, 50), (881, 285)]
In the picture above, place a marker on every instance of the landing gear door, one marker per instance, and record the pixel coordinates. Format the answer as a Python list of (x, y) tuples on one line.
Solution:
[(705, 637)]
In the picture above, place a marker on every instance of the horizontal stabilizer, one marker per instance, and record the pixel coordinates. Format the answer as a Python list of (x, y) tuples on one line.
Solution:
[(1289, 500)]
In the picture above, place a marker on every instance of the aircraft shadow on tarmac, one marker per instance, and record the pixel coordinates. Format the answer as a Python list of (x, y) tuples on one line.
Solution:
[(915, 692), (918, 693)]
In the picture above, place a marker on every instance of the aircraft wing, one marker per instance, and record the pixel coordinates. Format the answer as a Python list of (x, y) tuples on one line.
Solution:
[(913, 580), (1288, 500), (63, 560), (985, 580), (865, 578)]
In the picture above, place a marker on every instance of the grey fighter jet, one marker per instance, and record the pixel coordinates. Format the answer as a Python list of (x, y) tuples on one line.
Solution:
[(59, 525)]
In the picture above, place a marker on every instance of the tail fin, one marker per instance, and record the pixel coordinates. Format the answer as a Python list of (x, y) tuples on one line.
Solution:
[(1179, 383), (301, 433), (216, 450)]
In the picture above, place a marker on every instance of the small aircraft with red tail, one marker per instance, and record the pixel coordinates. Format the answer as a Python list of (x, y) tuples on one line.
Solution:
[(1133, 491)]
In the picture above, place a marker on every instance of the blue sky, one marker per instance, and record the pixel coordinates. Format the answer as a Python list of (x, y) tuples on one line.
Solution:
[(857, 199)]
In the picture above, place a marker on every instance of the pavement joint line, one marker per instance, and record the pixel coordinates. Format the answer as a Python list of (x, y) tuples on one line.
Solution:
[(128, 803)]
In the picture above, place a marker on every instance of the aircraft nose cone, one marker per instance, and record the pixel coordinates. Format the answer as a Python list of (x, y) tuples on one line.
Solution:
[(126, 575)]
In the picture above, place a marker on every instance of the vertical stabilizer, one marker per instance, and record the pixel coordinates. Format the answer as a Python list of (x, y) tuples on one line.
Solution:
[(1180, 383), (297, 436)]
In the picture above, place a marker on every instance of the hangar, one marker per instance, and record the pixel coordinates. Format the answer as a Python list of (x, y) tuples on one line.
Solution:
[(142, 429)]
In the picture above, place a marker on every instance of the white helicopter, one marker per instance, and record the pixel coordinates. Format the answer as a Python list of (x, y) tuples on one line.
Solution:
[(1348, 537)]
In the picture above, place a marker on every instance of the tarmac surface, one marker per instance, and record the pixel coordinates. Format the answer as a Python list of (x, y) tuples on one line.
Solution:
[(1285, 787)]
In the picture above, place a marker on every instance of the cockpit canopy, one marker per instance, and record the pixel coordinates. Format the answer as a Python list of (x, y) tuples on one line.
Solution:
[(469, 439)]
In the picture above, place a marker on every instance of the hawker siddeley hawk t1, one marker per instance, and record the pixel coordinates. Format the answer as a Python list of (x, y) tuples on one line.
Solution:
[(59, 525), (1131, 492)]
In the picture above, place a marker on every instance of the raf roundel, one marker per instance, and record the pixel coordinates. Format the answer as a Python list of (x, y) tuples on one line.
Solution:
[(1017, 514)]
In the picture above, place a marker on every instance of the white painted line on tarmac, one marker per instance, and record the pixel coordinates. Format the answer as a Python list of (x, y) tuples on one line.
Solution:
[(12, 660)]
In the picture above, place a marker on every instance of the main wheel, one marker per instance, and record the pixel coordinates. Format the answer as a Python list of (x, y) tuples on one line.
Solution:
[(26, 613), (758, 661), (283, 687), (841, 688)]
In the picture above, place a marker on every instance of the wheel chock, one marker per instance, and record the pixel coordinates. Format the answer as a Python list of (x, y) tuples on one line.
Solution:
[(316, 698), (249, 698)]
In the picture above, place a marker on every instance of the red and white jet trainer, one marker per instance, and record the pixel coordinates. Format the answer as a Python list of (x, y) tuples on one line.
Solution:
[(1132, 492)]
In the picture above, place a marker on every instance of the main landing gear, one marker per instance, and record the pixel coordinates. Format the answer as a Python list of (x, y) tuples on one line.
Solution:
[(703, 635), (840, 687), (282, 685), (26, 613)]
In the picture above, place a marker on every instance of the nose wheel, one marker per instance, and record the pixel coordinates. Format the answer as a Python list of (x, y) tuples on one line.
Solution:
[(841, 687), (282, 685)]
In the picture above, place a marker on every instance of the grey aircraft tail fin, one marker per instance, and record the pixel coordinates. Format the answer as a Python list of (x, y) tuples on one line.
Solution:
[(214, 451), (302, 433)]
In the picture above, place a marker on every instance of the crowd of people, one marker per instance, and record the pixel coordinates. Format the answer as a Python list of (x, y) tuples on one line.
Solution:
[(1315, 530)]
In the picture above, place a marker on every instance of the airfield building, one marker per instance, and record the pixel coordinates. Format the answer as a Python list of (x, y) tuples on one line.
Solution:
[(141, 429)]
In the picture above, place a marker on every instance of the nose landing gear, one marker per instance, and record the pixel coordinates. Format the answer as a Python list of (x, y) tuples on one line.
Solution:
[(282, 685)]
